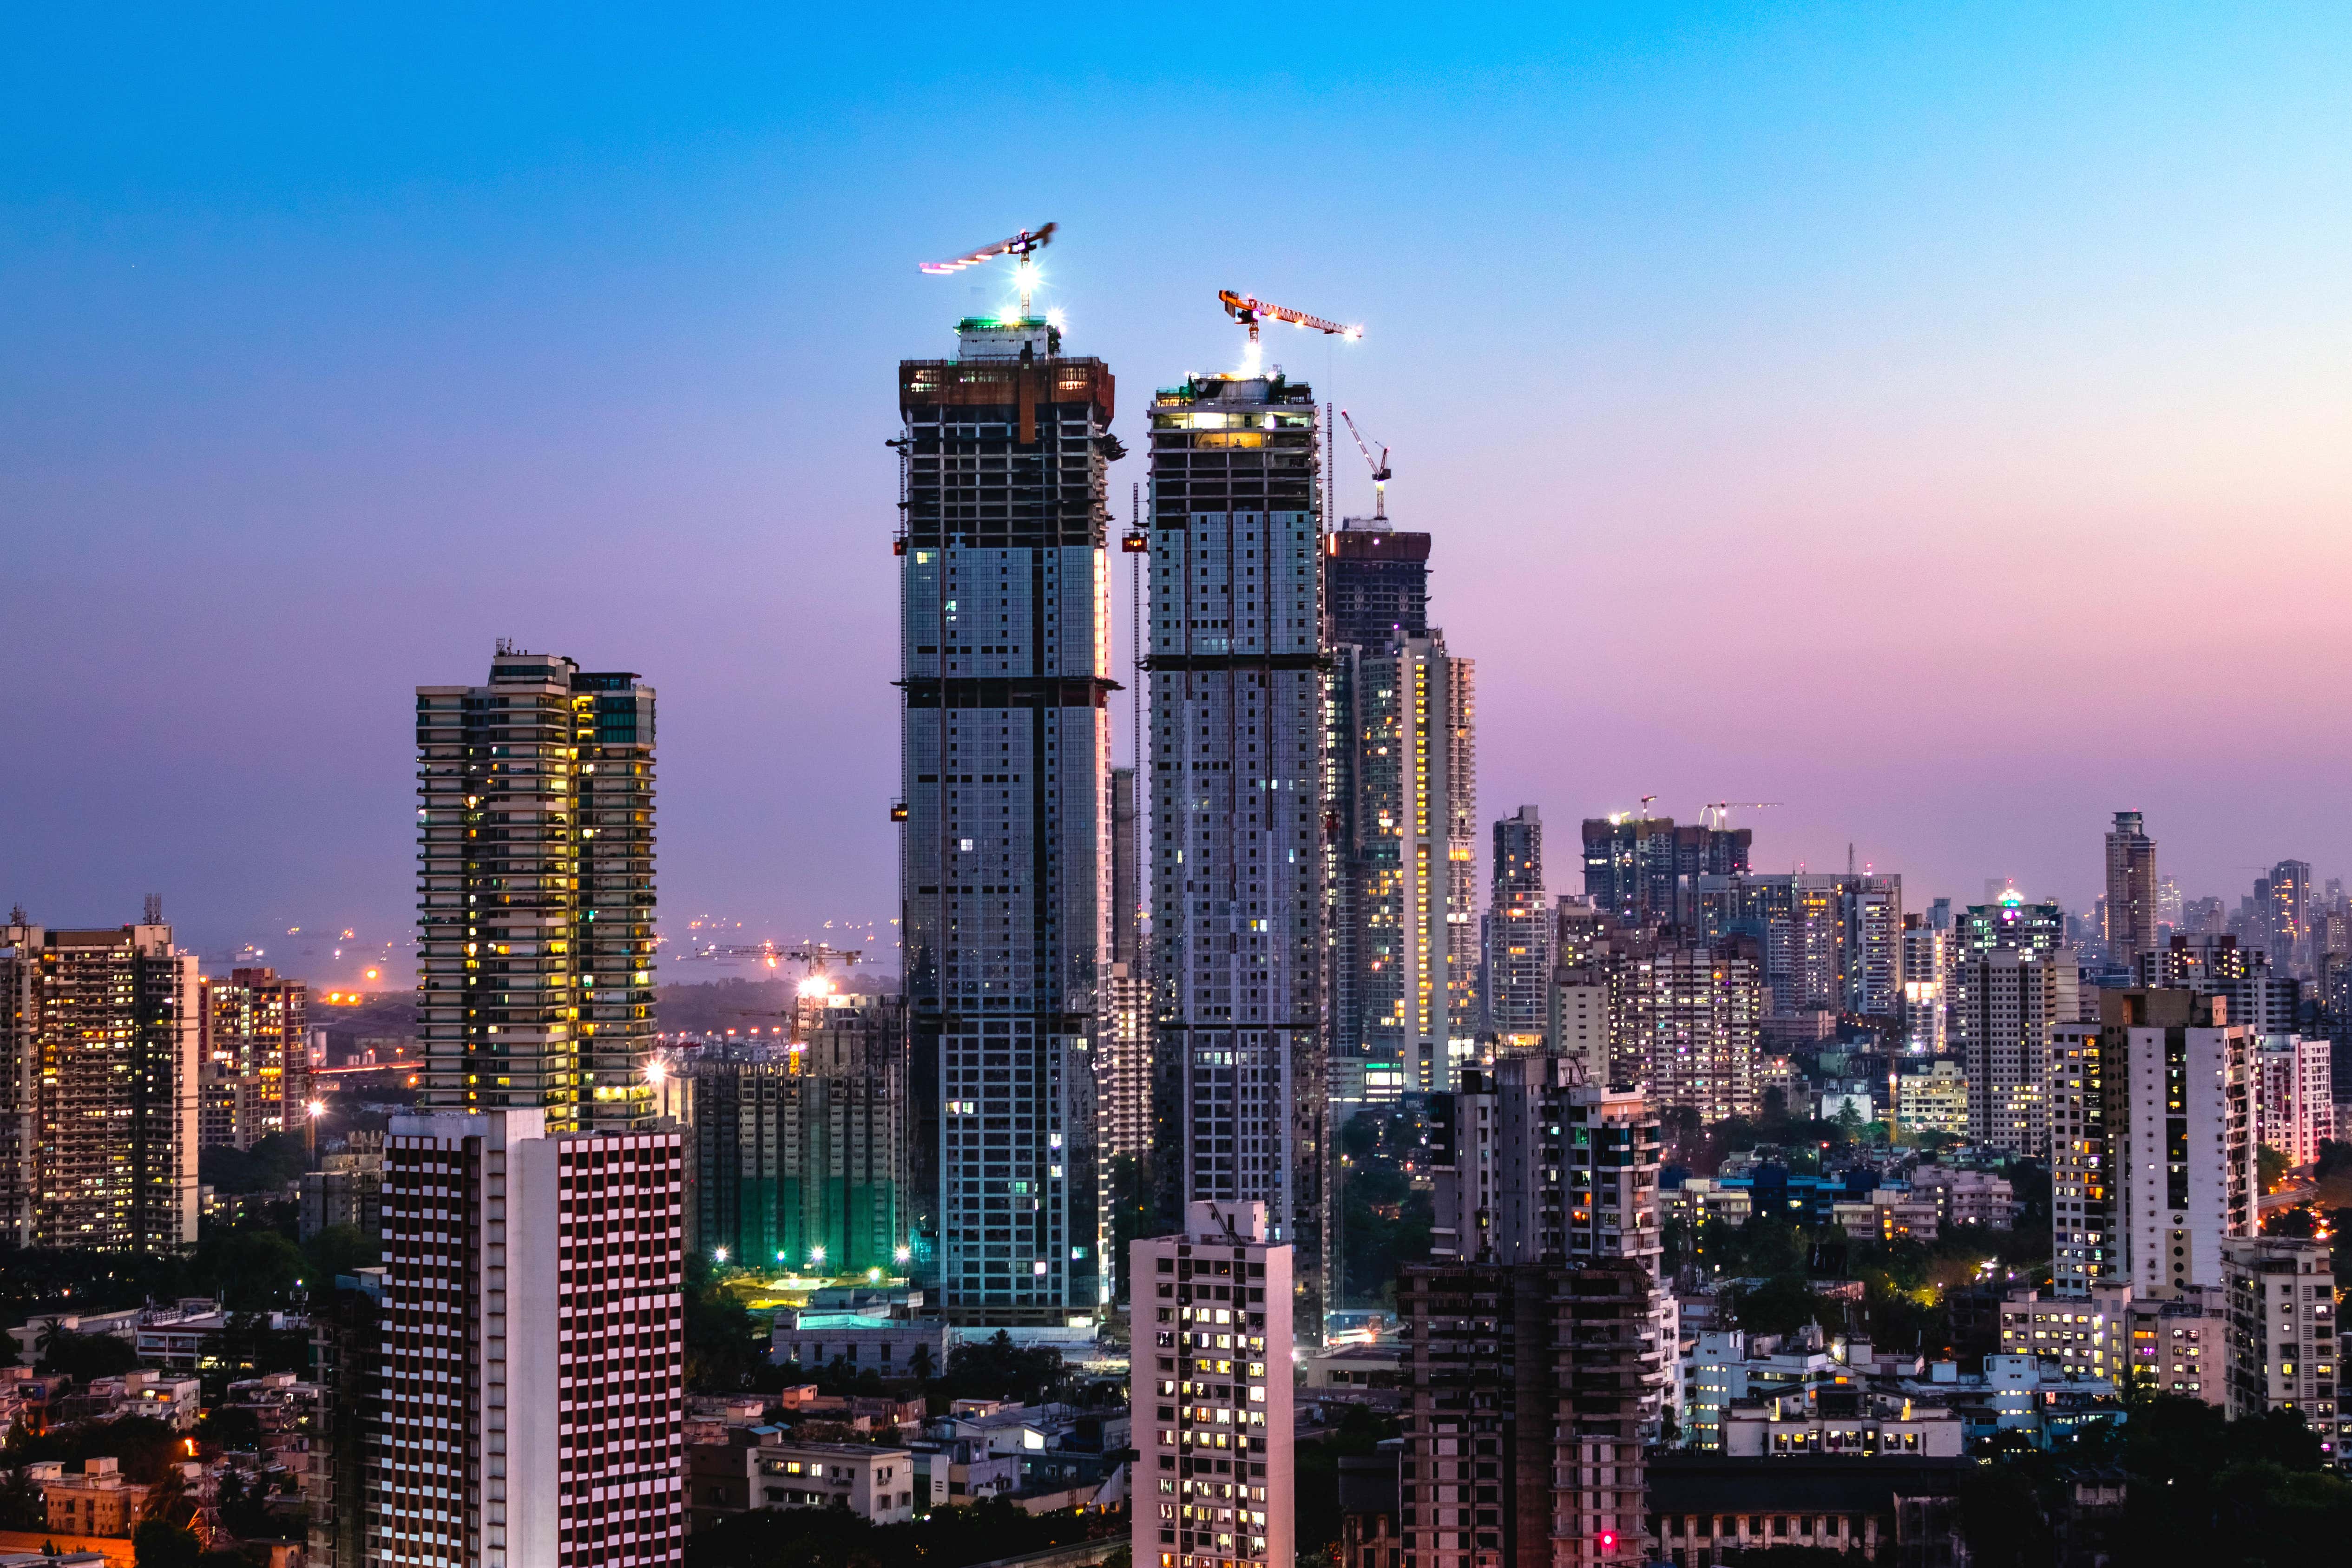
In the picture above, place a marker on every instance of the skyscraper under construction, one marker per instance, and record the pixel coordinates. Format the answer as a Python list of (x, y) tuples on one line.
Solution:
[(1005, 761), (1237, 751)]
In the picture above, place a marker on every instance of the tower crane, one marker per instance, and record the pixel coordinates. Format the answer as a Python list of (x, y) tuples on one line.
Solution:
[(1717, 814), (1379, 467), (1021, 246), (1250, 312)]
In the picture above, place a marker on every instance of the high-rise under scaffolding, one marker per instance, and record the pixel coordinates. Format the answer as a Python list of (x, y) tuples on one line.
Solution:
[(1236, 635), (1005, 880)]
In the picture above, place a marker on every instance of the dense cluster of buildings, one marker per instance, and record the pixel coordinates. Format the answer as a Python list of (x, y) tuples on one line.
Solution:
[(508, 1387)]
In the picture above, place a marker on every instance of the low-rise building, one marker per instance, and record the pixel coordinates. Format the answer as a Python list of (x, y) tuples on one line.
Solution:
[(1355, 1366), (1966, 1196), (98, 1501), (173, 1400), (183, 1341), (1931, 1095), (1704, 1508), (876, 1484), (2181, 1344), (2085, 1336), (893, 1345), (1844, 1423)]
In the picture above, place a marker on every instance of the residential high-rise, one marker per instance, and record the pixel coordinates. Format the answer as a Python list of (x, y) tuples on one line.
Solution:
[(99, 1045), (1684, 1022), (800, 1151), (1534, 1164), (535, 892), (1643, 871), (256, 1054), (2169, 911), (1927, 953), (1237, 748), (1518, 935), (532, 1398), (2260, 996), (1376, 584), (2297, 1094), (1830, 943), (346, 1359), (2286, 1353), (2086, 1248), (2179, 1099), (1005, 884), (2131, 912), (1123, 1051), (2008, 922), (1523, 1429), (2285, 915), (2005, 1005), (1404, 983), (1210, 1326)]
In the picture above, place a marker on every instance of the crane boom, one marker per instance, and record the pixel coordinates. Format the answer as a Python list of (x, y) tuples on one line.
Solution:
[(1249, 311), (1021, 246)]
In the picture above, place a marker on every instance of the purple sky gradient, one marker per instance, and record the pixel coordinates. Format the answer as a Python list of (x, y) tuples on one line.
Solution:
[(1937, 425)]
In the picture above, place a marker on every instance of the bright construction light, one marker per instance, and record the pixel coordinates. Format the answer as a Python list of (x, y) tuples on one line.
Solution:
[(872, 1274), (904, 1253), (816, 985), (657, 1070), (315, 1107), (720, 1255), (816, 1254)]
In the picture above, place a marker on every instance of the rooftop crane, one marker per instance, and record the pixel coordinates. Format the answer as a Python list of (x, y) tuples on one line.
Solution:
[(1717, 814), (1250, 312), (1379, 467), (1022, 246)]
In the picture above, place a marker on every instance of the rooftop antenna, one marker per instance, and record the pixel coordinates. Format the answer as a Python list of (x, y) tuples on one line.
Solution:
[(1021, 246)]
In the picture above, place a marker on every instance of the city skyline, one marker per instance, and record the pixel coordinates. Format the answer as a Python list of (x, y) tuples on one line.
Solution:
[(274, 366)]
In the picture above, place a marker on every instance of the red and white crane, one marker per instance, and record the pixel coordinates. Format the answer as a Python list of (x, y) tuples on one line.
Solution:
[(1249, 311)]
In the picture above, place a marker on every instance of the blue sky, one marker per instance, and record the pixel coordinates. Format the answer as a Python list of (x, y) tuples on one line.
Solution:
[(1935, 422)]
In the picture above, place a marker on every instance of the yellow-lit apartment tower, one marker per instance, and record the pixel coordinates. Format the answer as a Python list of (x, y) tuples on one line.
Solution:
[(535, 892), (97, 1087)]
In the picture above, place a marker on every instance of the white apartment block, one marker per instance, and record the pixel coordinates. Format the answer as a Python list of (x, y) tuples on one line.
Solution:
[(1211, 1391), (876, 1484), (532, 1394), (2299, 1096), (2179, 1135), (2283, 1301)]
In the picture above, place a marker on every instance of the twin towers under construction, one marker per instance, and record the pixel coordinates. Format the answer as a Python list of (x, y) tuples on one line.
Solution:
[(1309, 809)]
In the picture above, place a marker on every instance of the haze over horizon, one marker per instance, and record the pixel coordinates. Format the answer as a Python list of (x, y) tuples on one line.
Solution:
[(1933, 423)]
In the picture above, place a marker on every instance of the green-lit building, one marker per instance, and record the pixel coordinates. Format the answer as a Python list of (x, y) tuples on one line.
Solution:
[(802, 1152)]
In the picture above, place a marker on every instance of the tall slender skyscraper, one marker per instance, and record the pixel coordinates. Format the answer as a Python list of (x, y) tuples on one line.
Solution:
[(1405, 993), (535, 891), (532, 1393), (1518, 934), (1237, 796), (1005, 881), (2131, 890)]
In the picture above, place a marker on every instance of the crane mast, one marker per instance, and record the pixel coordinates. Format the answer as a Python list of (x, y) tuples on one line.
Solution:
[(1379, 465)]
